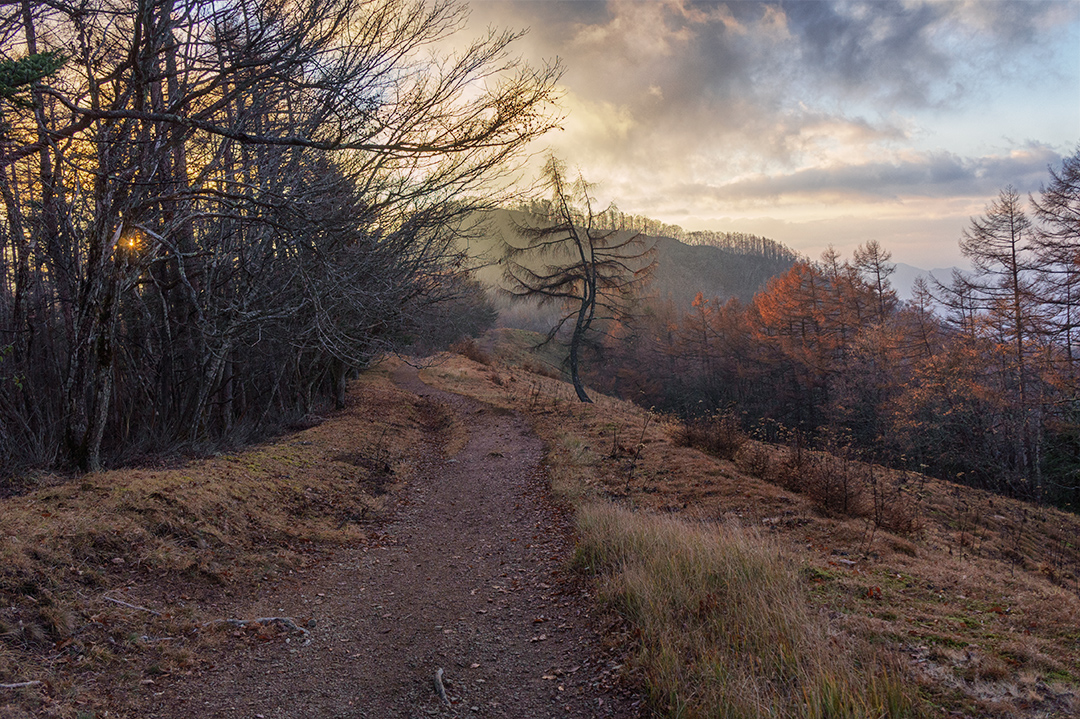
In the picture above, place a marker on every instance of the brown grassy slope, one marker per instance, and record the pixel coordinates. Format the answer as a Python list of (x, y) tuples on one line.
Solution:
[(171, 540), (979, 598)]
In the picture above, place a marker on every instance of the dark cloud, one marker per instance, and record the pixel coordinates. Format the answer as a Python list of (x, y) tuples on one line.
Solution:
[(939, 174), (906, 53), (884, 49)]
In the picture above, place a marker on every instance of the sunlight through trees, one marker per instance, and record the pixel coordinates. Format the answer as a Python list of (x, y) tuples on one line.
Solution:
[(214, 211)]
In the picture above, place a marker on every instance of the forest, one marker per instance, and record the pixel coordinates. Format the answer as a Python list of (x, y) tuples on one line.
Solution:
[(216, 212), (974, 380)]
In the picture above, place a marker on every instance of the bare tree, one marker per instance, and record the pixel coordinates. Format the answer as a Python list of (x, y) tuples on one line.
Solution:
[(1000, 245), (593, 273), (872, 261), (215, 210), (1057, 241)]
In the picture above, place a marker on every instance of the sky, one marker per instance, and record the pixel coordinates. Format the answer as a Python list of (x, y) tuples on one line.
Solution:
[(812, 122)]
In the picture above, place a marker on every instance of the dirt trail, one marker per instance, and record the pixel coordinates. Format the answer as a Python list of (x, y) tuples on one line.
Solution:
[(469, 577)]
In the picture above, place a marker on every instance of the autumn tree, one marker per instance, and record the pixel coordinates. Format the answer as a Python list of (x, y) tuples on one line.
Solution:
[(973, 379), (566, 259), (1000, 246), (1057, 243), (872, 262)]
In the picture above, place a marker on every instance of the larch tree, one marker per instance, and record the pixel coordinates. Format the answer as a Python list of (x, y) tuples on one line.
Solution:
[(567, 259), (872, 262), (1000, 245), (1057, 240)]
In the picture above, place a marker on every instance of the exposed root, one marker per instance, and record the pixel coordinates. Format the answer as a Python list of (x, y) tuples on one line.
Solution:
[(439, 686)]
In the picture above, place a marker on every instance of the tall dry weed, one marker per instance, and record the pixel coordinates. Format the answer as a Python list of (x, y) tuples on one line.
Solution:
[(837, 483), (725, 628), (720, 435)]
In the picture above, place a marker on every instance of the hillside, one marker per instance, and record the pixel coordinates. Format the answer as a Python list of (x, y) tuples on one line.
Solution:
[(773, 582), (682, 269), (967, 603)]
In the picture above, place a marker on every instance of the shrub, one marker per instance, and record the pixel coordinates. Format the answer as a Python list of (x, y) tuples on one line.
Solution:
[(835, 482), (755, 459), (719, 435), (467, 347)]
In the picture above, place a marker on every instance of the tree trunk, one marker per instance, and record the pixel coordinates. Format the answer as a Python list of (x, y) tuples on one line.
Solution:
[(339, 370), (575, 343)]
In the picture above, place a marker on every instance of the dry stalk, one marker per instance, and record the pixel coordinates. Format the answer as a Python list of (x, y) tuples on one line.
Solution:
[(637, 452)]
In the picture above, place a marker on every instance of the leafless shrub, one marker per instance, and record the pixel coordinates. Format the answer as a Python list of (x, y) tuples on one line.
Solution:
[(755, 459), (467, 347), (836, 482), (720, 435), (895, 508)]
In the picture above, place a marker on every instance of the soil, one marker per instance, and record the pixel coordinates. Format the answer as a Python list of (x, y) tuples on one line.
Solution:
[(471, 576)]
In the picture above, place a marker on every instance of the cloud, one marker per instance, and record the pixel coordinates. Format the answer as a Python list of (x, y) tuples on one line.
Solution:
[(910, 175), (756, 75), (903, 53), (705, 108)]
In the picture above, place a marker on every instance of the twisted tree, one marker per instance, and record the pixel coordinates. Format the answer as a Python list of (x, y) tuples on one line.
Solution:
[(567, 260)]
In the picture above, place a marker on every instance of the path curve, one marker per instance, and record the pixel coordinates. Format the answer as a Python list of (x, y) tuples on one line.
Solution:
[(470, 576)]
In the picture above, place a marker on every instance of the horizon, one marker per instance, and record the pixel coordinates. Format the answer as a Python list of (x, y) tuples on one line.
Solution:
[(813, 123)]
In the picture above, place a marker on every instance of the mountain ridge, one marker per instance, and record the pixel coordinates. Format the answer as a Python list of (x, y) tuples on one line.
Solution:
[(683, 269)]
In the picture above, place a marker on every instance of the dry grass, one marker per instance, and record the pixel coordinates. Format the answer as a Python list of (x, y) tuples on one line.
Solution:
[(839, 484), (467, 347), (836, 482), (978, 597), (978, 594), (725, 629), (163, 540)]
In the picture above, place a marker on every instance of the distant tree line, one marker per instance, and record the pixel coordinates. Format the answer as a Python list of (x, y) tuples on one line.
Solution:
[(612, 218), (974, 380), (214, 212), (743, 243)]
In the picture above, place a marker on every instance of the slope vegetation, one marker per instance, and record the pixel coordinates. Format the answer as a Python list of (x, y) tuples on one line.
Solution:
[(840, 591), (770, 583)]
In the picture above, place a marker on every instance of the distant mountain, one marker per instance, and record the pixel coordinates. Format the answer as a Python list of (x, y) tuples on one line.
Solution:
[(903, 280), (739, 270), (684, 270)]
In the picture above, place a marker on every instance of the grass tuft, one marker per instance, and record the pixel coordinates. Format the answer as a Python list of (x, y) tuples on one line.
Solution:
[(725, 629)]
